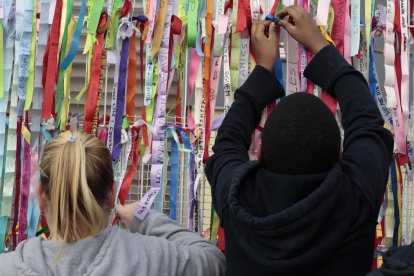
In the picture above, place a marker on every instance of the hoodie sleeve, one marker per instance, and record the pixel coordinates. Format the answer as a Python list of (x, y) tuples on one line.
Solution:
[(174, 250), (367, 145), (234, 135)]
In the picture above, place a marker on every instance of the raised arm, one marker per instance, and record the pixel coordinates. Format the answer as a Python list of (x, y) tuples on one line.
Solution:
[(234, 135), (178, 251), (367, 144)]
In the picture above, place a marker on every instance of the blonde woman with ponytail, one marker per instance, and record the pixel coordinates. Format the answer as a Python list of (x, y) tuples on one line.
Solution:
[(77, 193)]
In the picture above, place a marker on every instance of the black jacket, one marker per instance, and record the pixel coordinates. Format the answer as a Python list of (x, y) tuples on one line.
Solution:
[(397, 262), (318, 224)]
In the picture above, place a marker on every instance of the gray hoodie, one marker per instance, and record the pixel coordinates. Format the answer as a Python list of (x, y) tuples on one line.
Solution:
[(155, 246)]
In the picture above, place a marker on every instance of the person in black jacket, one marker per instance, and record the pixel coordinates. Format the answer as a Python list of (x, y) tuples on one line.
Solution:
[(304, 208)]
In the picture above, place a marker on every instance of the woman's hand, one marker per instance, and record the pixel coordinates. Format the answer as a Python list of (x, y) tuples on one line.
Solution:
[(126, 213)]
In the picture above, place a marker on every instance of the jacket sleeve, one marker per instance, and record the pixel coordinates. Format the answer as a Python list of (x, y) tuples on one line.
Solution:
[(234, 135), (367, 145), (174, 250)]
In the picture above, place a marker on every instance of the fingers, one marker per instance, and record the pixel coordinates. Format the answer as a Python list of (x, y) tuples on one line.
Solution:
[(295, 12), (259, 29), (261, 26), (287, 25), (272, 31), (254, 27), (288, 11)]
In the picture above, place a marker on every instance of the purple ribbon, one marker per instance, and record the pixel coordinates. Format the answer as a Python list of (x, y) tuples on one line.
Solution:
[(24, 193), (120, 100)]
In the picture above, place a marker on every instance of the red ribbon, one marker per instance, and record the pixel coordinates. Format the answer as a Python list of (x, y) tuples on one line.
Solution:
[(248, 12), (129, 177), (221, 243), (50, 63), (241, 16), (274, 8), (126, 8), (92, 97), (176, 26), (338, 27), (132, 75), (175, 29), (141, 57), (397, 30), (338, 32)]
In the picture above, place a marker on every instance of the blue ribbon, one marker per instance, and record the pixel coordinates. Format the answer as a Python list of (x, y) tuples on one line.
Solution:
[(372, 79), (279, 71), (33, 216), (3, 230), (394, 183), (191, 167), (46, 134), (75, 41), (174, 179), (270, 17), (24, 55)]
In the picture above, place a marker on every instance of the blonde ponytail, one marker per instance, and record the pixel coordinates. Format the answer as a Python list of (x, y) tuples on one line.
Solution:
[(77, 177)]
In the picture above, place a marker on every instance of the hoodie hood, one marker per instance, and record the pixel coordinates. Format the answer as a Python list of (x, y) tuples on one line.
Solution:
[(286, 218), (397, 261)]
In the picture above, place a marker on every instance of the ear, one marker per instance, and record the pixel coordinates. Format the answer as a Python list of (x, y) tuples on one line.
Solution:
[(41, 197), (111, 196)]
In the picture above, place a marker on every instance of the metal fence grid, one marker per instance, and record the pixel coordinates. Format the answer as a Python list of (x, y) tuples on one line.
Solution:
[(142, 183)]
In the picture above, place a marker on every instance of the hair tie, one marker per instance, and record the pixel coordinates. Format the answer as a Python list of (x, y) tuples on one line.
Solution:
[(71, 139)]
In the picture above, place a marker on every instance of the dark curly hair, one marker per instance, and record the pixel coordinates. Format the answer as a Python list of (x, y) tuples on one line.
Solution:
[(301, 136)]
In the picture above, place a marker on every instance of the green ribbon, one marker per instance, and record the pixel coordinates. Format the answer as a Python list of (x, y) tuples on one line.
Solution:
[(95, 9), (150, 109), (192, 23), (2, 62), (60, 88), (3, 219), (125, 123), (42, 231), (94, 15), (113, 29)]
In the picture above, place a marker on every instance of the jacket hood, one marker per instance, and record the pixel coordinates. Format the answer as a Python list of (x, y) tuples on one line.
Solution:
[(285, 218), (41, 257), (398, 261)]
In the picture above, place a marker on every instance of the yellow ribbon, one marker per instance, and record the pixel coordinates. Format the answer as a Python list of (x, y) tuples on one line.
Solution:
[(235, 51), (26, 134), (30, 80), (66, 78), (326, 35), (156, 41)]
